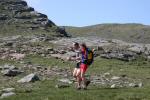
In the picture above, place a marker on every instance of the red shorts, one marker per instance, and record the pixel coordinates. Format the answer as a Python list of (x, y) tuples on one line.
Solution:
[(83, 67)]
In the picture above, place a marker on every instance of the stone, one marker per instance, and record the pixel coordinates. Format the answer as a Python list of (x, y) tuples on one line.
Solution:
[(107, 74), (137, 48), (29, 78), (35, 13), (4, 95), (115, 78), (65, 81), (113, 86), (7, 90), (1, 67), (17, 56), (133, 85), (148, 57), (140, 85), (9, 43), (9, 72), (7, 66)]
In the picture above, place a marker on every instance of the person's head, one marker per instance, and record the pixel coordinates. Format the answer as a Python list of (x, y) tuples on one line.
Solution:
[(83, 46), (76, 45)]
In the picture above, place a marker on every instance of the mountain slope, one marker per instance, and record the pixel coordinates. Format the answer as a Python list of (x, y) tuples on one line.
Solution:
[(128, 32), (16, 17)]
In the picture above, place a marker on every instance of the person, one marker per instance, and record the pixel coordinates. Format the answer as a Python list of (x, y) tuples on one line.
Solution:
[(77, 58), (83, 66)]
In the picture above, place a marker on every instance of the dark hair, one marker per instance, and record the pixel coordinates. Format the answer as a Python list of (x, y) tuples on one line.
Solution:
[(76, 44), (84, 45)]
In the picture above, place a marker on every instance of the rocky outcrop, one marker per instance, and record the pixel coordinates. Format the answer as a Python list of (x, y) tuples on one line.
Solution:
[(106, 48), (16, 14)]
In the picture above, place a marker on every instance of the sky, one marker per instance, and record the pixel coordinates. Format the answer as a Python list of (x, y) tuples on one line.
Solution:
[(91, 12)]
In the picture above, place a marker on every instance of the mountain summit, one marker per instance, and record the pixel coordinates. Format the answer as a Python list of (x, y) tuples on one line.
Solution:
[(16, 17)]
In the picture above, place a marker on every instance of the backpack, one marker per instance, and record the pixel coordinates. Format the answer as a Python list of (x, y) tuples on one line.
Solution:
[(90, 56)]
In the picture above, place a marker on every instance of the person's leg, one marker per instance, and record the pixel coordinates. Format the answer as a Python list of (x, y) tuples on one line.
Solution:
[(75, 72), (78, 78), (83, 70)]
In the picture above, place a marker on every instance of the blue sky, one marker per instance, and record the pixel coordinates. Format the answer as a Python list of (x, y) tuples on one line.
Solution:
[(90, 12)]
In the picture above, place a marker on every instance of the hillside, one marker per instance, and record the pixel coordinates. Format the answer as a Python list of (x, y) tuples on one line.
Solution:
[(17, 18), (128, 32)]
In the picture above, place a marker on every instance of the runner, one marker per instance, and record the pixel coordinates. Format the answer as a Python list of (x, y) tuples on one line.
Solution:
[(77, 58), (84, 66)]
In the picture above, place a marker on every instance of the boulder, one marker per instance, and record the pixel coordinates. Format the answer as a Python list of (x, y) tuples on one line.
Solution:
[(125, 56), (136, 85), (7, 90), (29, 78), (9, 43), (17, 56), (115, 78), (137, 48), (113, 86), (9, 72), (65, 81), (4, 95), (7, 66), (133, 85)]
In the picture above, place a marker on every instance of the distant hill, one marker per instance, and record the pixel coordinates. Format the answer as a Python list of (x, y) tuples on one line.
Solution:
[(16, 17), (128, 32)]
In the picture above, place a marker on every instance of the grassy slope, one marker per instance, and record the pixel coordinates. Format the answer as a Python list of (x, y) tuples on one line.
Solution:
[(44, 90), (126, 32)]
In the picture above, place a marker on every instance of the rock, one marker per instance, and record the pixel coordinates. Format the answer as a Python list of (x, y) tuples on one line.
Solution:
[(133, 85), (137, 48), (148, 57), (125, 56), (123, 75), (29, 78), (106, 74), (9, 72), (115, 78), (7, 90), (17, 56), (9, 43), (65, 81), (113, 86), (140, 85), (36, 14), (4, 95), (7, 66)]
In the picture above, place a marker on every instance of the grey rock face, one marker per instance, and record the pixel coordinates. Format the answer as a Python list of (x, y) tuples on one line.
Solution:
[(29, 78), (17, 14)]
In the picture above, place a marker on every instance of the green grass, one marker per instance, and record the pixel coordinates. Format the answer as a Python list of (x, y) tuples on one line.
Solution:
[(47, 62), (45, 90)]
